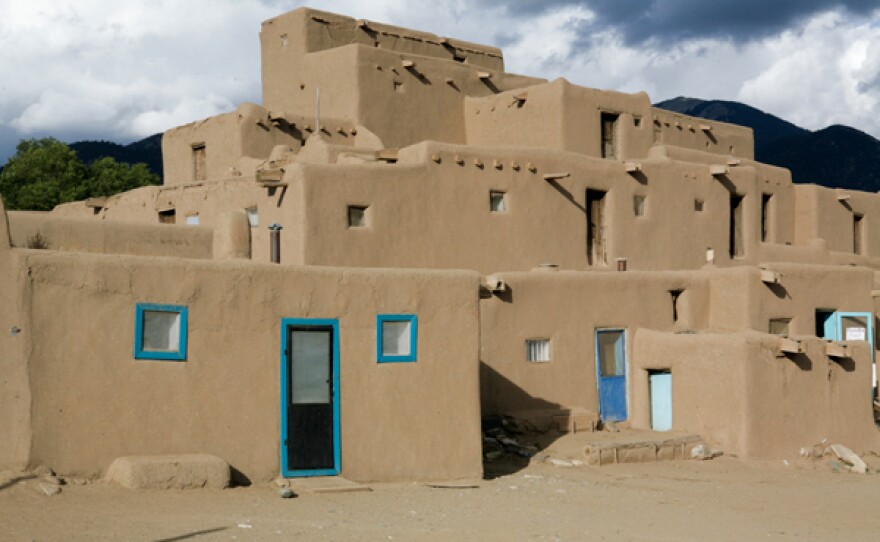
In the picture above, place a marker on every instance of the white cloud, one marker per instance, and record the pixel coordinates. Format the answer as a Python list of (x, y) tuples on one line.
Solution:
[(123, 69)]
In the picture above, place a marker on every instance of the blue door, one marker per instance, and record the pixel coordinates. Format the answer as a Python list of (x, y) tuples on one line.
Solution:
[(611, 374), (661, 400), (849, 326), (309, 397)]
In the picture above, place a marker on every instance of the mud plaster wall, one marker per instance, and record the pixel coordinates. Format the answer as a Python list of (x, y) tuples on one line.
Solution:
[(741, 394), (739, 300), (245, 132), (400, 421), (828, 214), (15, 341), (211, 201), (561, 116), (84, 235), (567, 308), (412, 205), (720, 137), (362, 78)]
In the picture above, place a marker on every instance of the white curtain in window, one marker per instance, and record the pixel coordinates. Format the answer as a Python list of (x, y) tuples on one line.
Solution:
[(161, 331), (538, 349)]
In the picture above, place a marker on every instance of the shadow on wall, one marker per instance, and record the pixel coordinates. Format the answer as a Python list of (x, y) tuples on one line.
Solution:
[(514, 433)]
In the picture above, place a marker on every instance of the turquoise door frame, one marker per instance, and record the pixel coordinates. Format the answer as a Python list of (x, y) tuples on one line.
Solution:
[(286, 438), (612, 387)]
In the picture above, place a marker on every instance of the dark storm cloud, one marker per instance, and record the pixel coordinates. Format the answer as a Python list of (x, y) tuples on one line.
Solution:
[(671, 21)]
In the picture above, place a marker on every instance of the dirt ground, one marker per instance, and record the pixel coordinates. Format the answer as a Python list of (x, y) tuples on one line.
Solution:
[(720, 499)]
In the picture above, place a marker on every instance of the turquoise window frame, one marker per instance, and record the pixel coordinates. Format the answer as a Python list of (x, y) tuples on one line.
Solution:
[(140, 353), (413, 319)]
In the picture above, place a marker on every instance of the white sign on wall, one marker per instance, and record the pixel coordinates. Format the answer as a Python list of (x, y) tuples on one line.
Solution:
[(855, 334)]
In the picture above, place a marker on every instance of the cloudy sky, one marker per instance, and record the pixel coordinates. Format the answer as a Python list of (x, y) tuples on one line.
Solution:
[(122, 69)]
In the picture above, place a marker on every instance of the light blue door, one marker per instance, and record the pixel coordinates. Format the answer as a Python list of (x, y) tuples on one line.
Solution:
[(661, 400), (850, 326), (611, 374)]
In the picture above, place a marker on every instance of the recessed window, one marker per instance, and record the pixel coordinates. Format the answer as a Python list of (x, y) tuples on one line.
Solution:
[(858, 223), (537, 350), (160, 331), (199, 162), (497, 201), (192, 220), (168, 216), (396, 337), (639, 205), (637, 121), (252, 216), (357, 216), (779, 326), (698, 205)]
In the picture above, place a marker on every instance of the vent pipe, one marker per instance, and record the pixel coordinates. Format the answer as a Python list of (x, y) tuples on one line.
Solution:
[(275, 243)]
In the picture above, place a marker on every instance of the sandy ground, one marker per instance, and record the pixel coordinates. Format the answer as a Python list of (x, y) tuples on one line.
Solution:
[(721, 499)]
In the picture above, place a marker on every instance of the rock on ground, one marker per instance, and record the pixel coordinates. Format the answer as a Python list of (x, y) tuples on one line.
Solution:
[(185, 471)]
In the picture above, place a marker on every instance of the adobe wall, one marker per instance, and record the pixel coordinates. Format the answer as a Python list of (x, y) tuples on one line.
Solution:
[(828, 213), (247, 132), (45, 230), (567, 307), (739, 300), (700, 134), (559, 115), (377, 76), (412, 202), (15, 342), (224, 399), (746, 397)]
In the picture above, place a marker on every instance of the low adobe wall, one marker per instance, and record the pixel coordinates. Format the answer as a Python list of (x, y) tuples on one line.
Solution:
[(742, 394), (92, 402), (45, 231)]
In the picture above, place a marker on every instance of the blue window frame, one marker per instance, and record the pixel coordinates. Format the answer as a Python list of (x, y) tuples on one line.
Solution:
[(160, 331), (396, 337)]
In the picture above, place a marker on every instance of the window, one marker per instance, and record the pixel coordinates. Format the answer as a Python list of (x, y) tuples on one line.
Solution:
[(199, 160), (698, 205), (497, 202), (639, 205), (857, 233), (160, 331), (252, 216), (766, 200), (357, 216), (396, 337), (737, 250), (609, 135), (779, 326), (537, 350), (168, 216), (192, 220)]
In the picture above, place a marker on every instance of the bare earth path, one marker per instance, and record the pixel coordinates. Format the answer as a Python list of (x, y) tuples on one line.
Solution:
[(722, 499)]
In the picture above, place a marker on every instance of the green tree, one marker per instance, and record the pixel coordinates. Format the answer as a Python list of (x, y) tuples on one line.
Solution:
[(106, 177), (41, 174), (46, 172)]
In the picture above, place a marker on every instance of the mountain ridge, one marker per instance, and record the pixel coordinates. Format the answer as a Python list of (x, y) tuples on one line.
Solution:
[(836, 156)]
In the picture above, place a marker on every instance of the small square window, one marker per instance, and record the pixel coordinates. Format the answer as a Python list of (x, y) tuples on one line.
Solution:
[(639, 205), (698, 205), (357, 216), (537, 350), (192, 220), (160, 331), (497, 202), (253, 216), (779, 326), (167, 216), (396, 337)]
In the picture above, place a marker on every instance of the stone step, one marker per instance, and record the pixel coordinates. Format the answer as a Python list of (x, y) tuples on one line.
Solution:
[(641, 451)]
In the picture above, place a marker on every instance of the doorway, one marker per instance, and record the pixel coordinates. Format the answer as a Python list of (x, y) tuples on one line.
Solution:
[(310, 397), (611, 374), (596, 227), (661, 399)]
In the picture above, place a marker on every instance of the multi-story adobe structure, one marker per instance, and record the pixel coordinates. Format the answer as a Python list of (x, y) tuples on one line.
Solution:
[(404, 236)]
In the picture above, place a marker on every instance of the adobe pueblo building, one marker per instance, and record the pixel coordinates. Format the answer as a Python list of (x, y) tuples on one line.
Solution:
[(403, 237)]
